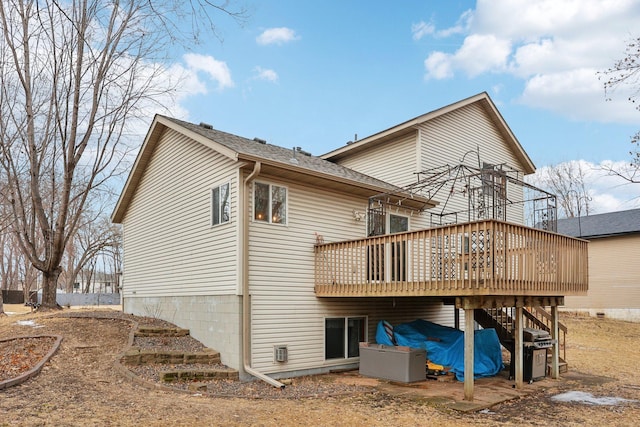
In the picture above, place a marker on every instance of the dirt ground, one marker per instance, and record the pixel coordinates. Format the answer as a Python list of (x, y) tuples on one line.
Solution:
[(79, 386)]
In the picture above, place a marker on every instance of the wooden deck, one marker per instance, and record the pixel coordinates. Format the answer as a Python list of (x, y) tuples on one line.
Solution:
[(472, 259)]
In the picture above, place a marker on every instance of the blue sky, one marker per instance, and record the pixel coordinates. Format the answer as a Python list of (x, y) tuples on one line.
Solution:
[(315, 73)]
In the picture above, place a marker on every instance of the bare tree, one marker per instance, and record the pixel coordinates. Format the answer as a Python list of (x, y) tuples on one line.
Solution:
[(3, 244), (567, 182), (89, 242), (29, 278), (625, 72), (113, 255), (74, 78), (8, 264)]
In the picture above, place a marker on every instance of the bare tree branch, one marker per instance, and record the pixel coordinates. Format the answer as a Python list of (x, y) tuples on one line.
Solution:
[(626, 72), (73, 76), (567, 182)]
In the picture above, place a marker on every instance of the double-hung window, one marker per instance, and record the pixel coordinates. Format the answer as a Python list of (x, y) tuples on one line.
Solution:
[(343, 336), (270, 203), (220, 207)]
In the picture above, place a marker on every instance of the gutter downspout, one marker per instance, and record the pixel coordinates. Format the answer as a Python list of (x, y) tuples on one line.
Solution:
[(244, 277)]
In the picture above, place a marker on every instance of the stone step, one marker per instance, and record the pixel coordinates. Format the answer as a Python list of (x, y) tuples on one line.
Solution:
[(198, 374), (137, 356), (151, 331)]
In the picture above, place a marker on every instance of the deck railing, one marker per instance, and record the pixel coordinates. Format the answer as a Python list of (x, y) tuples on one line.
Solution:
[(479, 258)]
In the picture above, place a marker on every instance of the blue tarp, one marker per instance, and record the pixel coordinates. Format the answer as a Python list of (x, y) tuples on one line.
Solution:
[(445, 346)]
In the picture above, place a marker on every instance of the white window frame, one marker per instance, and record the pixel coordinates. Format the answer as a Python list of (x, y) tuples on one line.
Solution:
[(345, 355), (220, 207), (269, 219)]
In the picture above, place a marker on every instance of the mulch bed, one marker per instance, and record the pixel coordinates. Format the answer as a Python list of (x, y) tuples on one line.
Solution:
[(20, 355), (187, 343)]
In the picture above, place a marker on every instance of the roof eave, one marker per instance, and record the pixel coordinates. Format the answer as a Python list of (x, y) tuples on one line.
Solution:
[(374, 189), (482, 97), (158, 126)]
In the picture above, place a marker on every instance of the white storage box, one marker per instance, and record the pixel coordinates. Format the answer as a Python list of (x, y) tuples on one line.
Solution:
[(402, 364)]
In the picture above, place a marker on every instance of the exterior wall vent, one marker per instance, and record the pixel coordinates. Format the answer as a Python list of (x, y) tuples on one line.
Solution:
[(280, 353)]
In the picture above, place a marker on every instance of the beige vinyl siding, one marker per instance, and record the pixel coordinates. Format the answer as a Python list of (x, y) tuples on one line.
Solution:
[(457, 135), (171, 248), (285, 310), (614, 275), (443, 140), (394, 161)]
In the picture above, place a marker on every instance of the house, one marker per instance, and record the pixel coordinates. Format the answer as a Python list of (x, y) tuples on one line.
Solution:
[(284, 261), (614, 271)]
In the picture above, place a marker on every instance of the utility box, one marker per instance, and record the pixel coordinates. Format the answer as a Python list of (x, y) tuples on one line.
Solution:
[(395, 363)]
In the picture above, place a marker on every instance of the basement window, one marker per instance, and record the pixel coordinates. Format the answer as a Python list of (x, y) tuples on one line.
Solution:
[(343, 336)]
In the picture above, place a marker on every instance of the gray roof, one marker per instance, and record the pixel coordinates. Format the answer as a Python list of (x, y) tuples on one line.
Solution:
[(253, 148), (601, 225)]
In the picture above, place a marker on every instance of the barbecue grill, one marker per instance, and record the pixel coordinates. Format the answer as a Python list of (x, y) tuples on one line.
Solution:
[(537, 338), (535, 343)]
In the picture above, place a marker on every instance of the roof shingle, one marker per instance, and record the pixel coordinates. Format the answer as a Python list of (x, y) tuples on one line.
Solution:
[(601, 225), (253, 148)]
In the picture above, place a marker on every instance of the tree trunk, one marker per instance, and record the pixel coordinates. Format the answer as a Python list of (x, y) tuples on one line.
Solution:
[(1, 305), (29, 282), (49, 289), (25, 293)]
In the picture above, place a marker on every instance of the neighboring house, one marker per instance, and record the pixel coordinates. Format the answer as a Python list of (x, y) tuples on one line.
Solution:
[(284, 261), (614, 267)]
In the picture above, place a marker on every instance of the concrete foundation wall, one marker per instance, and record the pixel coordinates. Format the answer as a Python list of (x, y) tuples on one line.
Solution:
[(213, 320), (626, 314)]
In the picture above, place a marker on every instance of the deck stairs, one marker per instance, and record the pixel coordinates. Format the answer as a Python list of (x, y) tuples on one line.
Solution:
[(502, 320)]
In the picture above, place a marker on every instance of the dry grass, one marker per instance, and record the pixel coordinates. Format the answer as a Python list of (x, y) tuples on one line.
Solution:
[(79, 387)]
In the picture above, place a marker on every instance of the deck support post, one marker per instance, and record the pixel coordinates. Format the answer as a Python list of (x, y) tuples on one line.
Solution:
[(518, 351), (468, 353), (555, 350)]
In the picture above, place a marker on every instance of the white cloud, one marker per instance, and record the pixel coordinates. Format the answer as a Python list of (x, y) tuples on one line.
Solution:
[(439, 66), (461, 27), (181, 81), (577, 94), (478, 54), (277, 36), (216, 70), (481, 53), (421, 29), (266, 74), (556, 47)]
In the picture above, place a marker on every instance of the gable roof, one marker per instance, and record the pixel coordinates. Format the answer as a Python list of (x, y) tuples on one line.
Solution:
[(601, 225), (481, 99), (288, 163)]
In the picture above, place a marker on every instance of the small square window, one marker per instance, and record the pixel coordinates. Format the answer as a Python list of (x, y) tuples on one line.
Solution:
[(270, 203)]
